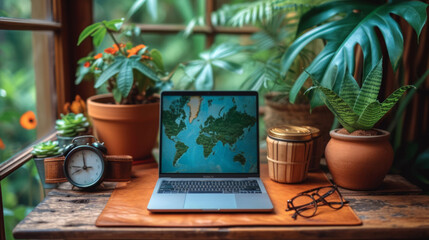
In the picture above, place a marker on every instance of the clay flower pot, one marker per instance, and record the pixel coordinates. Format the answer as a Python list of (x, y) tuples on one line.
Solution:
[(125, 129), (359, 162)]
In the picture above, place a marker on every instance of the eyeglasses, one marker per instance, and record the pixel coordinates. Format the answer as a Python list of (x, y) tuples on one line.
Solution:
[(305, 203)]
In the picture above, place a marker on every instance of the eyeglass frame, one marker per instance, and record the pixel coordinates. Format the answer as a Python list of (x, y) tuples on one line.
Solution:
[(334, 188)]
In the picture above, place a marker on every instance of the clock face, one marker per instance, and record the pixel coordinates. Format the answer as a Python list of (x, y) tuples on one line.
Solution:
[(84, 167)]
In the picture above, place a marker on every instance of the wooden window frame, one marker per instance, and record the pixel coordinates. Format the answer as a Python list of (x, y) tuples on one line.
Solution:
[(208, 30)]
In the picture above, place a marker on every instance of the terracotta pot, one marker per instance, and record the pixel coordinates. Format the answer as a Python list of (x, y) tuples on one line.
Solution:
[(359, 162), (125, 129)]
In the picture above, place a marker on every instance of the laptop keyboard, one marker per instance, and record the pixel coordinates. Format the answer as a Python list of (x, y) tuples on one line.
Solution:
[(209, 186)]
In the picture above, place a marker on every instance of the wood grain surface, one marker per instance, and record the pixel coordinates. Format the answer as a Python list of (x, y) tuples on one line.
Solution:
[(71, 214)]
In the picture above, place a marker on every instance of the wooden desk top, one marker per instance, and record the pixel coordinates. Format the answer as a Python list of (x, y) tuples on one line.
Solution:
[(396, 211)]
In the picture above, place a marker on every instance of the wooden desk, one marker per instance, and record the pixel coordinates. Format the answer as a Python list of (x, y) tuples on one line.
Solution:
[(396, 211)]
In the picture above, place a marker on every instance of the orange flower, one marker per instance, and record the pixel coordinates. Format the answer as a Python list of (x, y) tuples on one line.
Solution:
[(2, 146), (133, 51), (66, 108), (121, 45), (87, 64), (146, 57), (111, 50), (78, 105), (28, 120), (98, 56)]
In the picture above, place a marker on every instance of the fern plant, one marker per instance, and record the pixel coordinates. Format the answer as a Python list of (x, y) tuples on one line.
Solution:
[(343, 25), (359, 109)]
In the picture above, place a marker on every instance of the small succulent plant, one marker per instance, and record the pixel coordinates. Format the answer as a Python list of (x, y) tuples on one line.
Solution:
[(71, 125), (46, 149)]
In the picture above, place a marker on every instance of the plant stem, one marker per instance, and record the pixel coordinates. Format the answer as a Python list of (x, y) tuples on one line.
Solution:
[(114, 40)]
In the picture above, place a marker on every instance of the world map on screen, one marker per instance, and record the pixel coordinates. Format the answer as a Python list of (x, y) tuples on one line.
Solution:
[(209, 134)]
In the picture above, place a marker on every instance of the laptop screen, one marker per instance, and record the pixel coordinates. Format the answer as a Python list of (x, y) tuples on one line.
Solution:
[(209, 132)]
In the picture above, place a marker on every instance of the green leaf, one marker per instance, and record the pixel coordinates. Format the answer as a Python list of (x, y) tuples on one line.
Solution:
[(113, 69), (152, 8), (194, 67), (157, 59), (261, 76), (88, 31), (98, 36), (349, 90), (125, 78), (81, 73), (297, 86), (227, 65), (222, 51), (342, 111), (324, 12), (422, 161), (357, 27), (145, 70), (370, 116), (135, 7), (117, 95), (370, 88), (114, 25), (204, 79), (393, 98)]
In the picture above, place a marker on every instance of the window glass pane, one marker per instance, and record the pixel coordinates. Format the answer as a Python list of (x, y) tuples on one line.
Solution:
[(26, 103), (26, 89), (151, 12), (36, 9), (17, 92)]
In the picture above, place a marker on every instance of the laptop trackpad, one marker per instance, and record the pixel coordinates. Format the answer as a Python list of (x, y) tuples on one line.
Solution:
[(210, 201)]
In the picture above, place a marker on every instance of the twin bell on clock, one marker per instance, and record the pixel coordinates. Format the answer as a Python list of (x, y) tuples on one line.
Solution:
[(86, 164)]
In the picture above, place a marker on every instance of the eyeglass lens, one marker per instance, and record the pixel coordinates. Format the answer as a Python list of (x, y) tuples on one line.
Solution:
[(331, 196), (304, 205)]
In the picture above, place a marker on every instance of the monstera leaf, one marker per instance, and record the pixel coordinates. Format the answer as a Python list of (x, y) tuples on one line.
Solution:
[(358, 26), (359, 108)]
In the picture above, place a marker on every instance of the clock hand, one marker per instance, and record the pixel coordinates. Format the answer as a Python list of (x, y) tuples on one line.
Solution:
[(77, 166), (76, 171), (84, 162)]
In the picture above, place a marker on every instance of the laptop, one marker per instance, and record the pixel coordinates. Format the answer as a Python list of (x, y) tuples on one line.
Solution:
[(209, 153)]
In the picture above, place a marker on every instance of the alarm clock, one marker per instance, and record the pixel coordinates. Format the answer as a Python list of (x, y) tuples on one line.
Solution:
[(85, 164)]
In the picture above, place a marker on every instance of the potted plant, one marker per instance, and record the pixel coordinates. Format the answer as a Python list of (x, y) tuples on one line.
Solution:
[(40, 152), (344, 25), (69, 126), (277, 22), (359, 156), (126, 119)]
